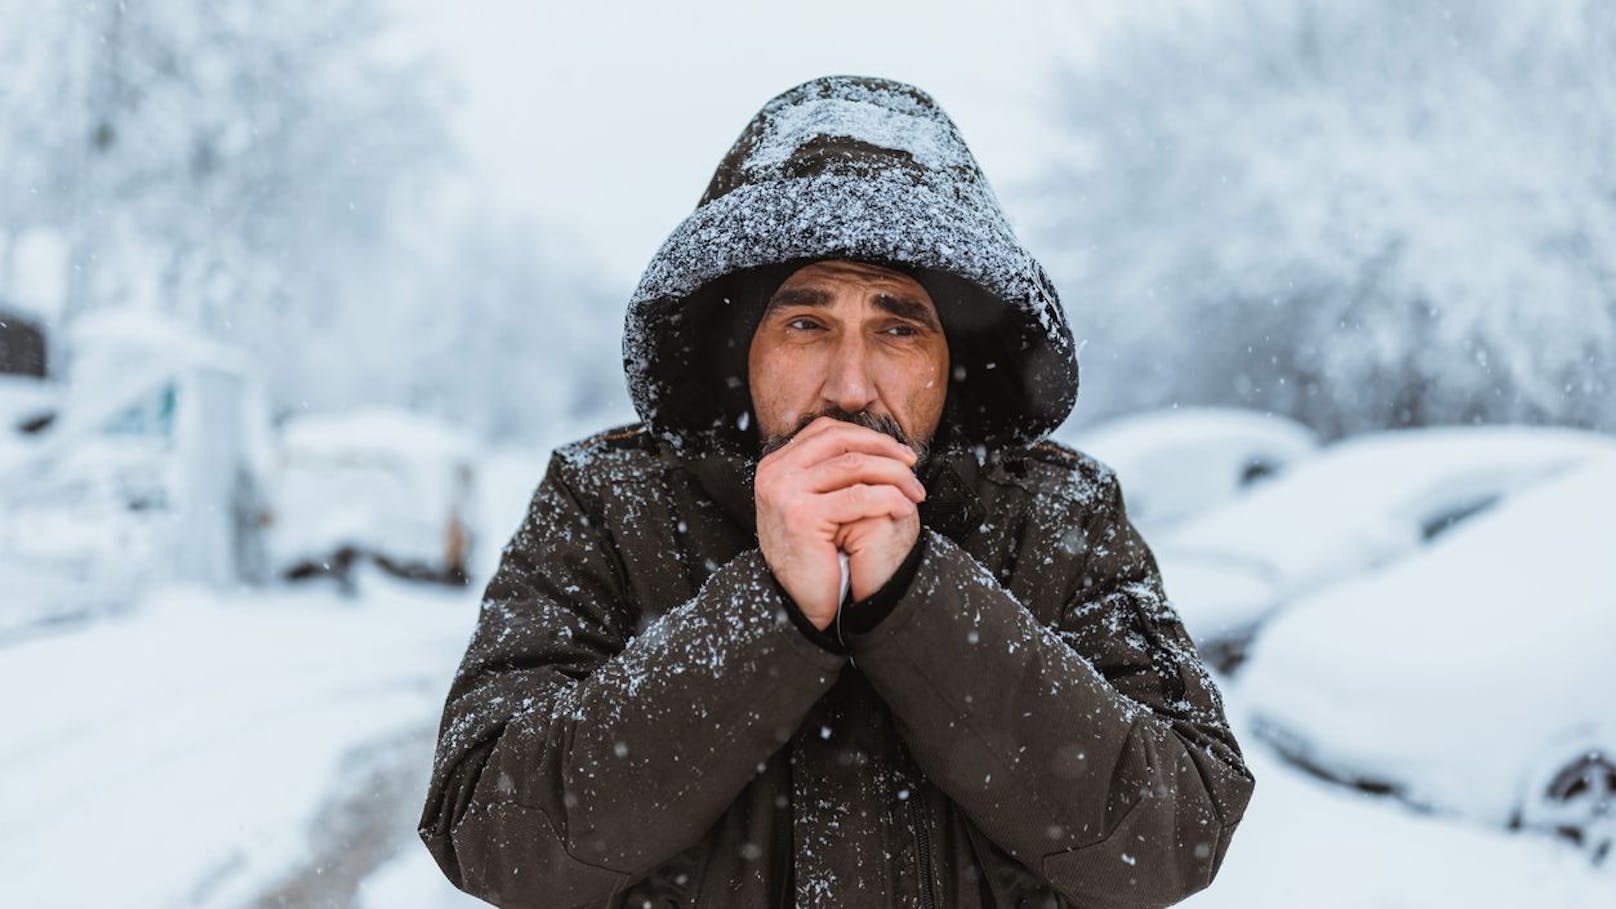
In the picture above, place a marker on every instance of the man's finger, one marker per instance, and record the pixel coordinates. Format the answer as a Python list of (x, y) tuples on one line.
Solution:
[(827, 424), (862, 500), (840, 437), (852, 467), (816, 426)]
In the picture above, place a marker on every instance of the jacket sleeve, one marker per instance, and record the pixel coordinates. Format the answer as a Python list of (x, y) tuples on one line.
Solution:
[(575, 756), (1095, 750)]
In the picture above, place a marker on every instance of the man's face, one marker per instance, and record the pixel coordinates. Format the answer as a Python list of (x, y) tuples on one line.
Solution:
[(851, 337)]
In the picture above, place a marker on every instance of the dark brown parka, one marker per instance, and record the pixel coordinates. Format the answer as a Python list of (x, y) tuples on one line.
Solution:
[(638, 721)]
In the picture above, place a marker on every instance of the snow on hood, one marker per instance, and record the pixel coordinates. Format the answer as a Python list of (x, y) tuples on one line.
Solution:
[(857, 168)]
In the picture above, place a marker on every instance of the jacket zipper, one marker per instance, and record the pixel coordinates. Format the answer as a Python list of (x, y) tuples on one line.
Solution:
[(928, 897), (785, 840), (784, 846)]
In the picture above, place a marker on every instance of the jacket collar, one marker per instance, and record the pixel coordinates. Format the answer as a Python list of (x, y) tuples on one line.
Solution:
[(952, 477)]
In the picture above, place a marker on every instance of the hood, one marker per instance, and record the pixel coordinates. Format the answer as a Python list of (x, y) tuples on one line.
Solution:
[(847, 167)]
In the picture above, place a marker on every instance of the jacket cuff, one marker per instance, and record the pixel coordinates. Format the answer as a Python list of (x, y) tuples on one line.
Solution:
[(862, 616), (824, 639), (859, 616)]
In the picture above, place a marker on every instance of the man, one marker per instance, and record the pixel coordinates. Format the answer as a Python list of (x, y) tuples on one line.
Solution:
[(845, 365)]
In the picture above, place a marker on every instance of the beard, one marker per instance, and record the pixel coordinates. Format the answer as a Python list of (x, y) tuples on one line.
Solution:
[(882, 423)]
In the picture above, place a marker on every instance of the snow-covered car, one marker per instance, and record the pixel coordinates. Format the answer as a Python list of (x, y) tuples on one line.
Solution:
[(392, 486), (1180, 461), (1351, 507), (1477, 677), (149, 469)]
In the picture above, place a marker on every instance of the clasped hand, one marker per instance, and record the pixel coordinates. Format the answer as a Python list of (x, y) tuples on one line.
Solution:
[(836, 486)]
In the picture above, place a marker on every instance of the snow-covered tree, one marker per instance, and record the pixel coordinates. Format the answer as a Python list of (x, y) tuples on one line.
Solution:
[(244, 165), (521, 341), (275, 175), (1362, 214)]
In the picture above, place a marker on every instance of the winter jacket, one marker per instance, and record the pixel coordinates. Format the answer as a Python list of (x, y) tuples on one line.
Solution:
[(640, 721)]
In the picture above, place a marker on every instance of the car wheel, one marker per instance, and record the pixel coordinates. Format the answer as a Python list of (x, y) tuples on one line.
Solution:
[(1577, 799)]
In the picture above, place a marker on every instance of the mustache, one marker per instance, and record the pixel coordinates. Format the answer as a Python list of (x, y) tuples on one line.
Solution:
[(882, 423)]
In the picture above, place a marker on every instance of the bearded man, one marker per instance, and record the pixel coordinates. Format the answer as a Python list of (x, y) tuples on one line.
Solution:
[(835, 624)]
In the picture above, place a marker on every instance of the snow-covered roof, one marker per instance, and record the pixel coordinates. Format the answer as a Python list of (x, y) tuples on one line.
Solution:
[(378, 431), (1367, 496), (1136, 436), (124, 334), (1180, 461)]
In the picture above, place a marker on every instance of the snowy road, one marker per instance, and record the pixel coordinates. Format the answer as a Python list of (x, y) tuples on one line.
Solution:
[(182, 755)]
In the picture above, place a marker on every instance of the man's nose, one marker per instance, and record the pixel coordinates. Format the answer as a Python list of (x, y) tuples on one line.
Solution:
[(848, 384)]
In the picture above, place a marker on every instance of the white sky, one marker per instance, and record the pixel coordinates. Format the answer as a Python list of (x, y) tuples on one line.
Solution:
[(607, 120)]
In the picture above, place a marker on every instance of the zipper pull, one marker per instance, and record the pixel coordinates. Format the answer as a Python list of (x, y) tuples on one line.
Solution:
[(847, 587)]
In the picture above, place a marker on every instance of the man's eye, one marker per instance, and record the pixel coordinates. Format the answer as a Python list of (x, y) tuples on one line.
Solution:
[(901, 331), (804, 324)]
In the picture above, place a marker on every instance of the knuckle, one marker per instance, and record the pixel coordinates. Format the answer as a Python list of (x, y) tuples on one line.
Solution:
[(764, 488)]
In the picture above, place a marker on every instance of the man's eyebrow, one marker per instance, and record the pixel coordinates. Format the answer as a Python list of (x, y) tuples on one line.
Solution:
[(907, 308), (800, 296), (900, 305)]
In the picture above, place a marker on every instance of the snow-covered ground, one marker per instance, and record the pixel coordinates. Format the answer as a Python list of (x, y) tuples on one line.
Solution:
[(197, 752), (272, 749), (262, 748)]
